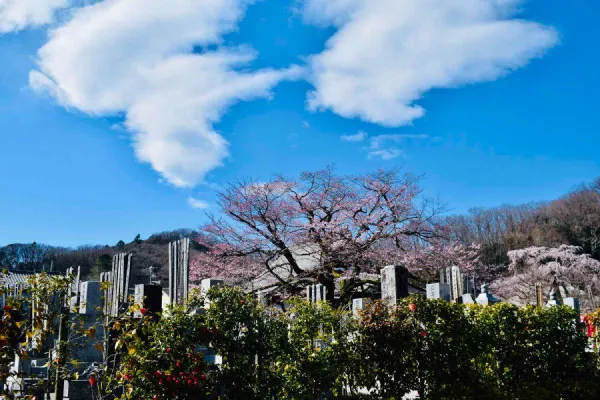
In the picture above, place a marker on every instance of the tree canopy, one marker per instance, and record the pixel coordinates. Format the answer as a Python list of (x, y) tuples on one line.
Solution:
[(317, 228)]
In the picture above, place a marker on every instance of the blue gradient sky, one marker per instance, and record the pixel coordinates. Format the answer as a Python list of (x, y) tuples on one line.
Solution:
[(71, 178)]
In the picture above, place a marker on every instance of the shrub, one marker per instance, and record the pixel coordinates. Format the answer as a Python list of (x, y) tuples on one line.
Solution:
[(317, 353)]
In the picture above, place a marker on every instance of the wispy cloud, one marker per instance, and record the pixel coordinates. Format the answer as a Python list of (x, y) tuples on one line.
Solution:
[(383, 140), (197, 203), (386, 146), (109, 58), (359, 137), (387, 54), (385, 154)]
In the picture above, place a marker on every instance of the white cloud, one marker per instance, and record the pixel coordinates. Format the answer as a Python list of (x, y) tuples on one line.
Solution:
[(136, 58), (16, 15), (387, 53), (358, 137), (197, 203), (385, 146)]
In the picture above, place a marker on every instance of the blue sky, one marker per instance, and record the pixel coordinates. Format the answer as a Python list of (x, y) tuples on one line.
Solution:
[(114, 122)]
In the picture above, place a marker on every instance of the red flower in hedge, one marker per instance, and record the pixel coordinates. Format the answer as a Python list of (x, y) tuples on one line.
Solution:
[(92, 381), (412, 307), (6, 308), (143, 311), (168, 350), (178, 364), (424, 333), (127, 377)]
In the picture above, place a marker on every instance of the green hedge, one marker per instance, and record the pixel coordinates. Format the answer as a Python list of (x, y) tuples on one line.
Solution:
[(311, 351)]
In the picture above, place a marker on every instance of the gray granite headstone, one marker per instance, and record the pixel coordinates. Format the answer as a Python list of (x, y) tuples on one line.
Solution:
[(572, 302), (394, 284), (467, 298), (118, 284), (179, 264), (105, 277), (467, 284), (206, 284), (438, 291), (443, 276), (456, 283), (73, 296), (316, 293), (262, 297), (90, 298), (360, 304), (309, 294), (148, 297), (319, 292)]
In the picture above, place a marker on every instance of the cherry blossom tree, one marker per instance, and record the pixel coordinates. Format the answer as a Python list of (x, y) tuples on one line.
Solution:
[(289, 233), (575, 271)]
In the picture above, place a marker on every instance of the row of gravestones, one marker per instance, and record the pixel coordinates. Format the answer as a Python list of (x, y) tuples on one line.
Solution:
[(449, 288), (453, 287), (86, 297), (87, 303), (394, 285)]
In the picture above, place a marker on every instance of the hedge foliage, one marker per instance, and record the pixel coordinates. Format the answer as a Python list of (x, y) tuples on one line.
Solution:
[(310, 351)]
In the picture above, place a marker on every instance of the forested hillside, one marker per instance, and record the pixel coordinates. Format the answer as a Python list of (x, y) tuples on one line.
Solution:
[(573, 219), (94, 259)]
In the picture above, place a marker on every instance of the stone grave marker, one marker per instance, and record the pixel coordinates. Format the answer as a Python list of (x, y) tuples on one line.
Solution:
[(309, 293), (438, 291), (118, 279), (205, 286), (73, 296), (456, 286), (360, 304), (90, 298), (467, 298), (316, 293), (148, 297), (394, 284), (179, 263), (573, 302)]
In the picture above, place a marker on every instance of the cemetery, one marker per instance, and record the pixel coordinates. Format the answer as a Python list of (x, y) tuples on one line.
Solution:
[(299, 200), (64, 338)]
